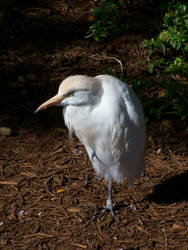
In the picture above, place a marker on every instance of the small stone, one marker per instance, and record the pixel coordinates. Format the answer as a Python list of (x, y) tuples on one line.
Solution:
[(158, 151), (3, 240), (176, 226), (5, 131), (21, 79)]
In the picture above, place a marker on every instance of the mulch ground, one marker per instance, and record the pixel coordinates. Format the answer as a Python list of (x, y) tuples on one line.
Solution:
[(48, 189)]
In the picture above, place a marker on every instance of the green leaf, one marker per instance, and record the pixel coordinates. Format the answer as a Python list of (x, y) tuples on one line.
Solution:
[(151, 67)]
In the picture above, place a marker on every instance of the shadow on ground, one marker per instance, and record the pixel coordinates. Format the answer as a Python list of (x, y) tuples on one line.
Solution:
[(171, 190)]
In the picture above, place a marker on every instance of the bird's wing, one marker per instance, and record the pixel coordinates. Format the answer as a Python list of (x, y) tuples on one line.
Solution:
[(128, 141), (128, 130), (118, 128)]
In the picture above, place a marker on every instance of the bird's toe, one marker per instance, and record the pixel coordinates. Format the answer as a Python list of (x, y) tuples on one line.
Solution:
[(111, 209)]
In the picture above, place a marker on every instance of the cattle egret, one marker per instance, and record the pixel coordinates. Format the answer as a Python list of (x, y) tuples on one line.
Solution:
[(107, 117)]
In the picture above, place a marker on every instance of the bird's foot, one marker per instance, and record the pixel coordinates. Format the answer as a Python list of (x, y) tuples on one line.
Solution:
[(111, 209), (108, 207)]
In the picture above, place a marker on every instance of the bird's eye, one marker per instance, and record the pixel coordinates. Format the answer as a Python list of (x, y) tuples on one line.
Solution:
[(69, 94)]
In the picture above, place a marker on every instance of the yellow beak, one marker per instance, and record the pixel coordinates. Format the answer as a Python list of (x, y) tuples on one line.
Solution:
[(52, 101)]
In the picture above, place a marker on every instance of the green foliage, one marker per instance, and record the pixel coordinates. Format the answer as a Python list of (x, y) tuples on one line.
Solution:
[(175, 30), (166, 91), (107, 19), (173, 38), (170, 69), (161, 98)]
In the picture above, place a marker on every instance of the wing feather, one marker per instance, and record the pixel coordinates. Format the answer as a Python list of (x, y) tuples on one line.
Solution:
[(128, 140)]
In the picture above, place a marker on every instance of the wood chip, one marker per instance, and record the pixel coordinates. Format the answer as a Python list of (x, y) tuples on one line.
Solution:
[(73, 210), (40, 235), (176, 227), (79, 245), (29, 174), (8, 183)]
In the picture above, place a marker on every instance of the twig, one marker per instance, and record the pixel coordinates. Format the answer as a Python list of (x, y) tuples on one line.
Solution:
[(166, 245), (79, 245), (51, 174), (40, 235), (73, 210), (28, 174), (8, 183), (98, 58)]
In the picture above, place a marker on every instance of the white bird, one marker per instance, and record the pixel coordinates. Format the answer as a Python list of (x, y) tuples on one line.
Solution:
[(107, 117)]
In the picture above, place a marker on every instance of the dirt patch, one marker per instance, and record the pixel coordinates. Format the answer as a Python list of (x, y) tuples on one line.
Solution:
[(49, 191)]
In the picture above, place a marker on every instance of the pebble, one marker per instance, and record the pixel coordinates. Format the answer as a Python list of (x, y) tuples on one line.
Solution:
[(5, 131), (21, 79)]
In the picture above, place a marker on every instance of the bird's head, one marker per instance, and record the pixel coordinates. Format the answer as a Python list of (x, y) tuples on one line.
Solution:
[(70, 86)]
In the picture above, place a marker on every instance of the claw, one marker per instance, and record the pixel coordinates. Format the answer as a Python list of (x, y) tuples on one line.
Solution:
[(111, 209), (109, 205)]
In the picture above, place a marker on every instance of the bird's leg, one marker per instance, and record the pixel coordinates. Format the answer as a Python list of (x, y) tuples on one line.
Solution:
[(109, 205)]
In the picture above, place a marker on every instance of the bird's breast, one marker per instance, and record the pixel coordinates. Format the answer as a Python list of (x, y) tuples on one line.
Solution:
[(90, 125)]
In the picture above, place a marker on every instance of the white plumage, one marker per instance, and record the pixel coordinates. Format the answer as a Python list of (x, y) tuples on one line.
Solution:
[(108, 119)]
